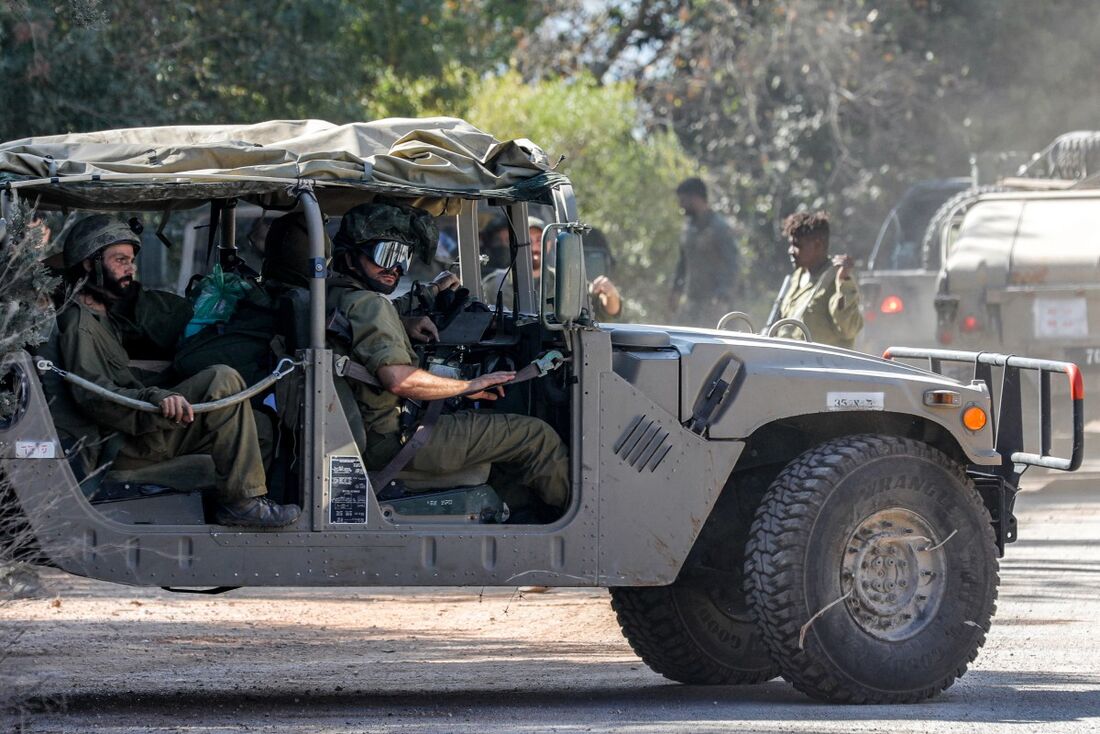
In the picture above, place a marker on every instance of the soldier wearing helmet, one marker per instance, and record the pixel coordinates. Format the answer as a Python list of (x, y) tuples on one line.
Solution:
[(373, 249), (101, 252), (99, 256)]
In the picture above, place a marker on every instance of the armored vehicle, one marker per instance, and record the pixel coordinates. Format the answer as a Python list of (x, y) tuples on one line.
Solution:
[(756, 506), (1022, 275)]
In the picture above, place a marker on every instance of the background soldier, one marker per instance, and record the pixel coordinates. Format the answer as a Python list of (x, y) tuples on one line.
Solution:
[(708, 270), (100, 262), (822, 293), (372, 251)]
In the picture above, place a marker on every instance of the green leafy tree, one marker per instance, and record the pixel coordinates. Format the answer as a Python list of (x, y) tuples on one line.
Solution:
[(87, 64), (834, 103), (624, 175)]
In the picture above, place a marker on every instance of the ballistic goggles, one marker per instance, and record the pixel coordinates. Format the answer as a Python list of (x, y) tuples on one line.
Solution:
[(388, 254)]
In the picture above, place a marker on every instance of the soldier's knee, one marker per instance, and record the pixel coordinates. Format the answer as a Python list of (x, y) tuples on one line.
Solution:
[(224, 381), (541, 433)]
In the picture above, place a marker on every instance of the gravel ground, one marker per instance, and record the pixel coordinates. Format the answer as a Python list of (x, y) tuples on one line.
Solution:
[(102, 658)]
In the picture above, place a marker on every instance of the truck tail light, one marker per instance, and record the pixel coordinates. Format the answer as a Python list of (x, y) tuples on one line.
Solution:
[(970, 324), (892, 304)]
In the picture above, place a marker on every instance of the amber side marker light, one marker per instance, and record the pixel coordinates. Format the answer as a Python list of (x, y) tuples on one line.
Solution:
[(974, 418)]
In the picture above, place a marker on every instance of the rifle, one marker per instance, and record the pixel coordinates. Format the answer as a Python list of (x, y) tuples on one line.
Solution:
[(773, 315)]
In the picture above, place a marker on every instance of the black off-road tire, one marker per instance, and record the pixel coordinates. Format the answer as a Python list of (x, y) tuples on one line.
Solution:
[(860, 500), (683, 633)]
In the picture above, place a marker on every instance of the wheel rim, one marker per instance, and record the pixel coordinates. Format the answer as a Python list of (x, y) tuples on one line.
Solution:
[(893, 574)]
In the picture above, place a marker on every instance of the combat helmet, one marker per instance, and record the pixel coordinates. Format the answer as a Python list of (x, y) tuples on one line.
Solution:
[(93, 233), (396, 222)]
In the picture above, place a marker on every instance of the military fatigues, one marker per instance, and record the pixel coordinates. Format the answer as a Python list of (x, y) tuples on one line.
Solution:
[(520, 446), (832, 315), (90, 345), (708, 271)]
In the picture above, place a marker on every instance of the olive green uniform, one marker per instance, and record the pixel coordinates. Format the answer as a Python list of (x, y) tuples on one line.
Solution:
[(831, 314), (519, 446), (90, 345)]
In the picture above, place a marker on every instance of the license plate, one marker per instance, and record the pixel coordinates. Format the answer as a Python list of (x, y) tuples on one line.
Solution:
[(1087, 358)]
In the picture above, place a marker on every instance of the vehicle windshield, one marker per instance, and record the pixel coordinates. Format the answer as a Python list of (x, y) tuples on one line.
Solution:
[(899, 241)]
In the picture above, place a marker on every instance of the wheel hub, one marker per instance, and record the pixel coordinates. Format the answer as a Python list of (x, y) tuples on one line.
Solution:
[(893, 574)]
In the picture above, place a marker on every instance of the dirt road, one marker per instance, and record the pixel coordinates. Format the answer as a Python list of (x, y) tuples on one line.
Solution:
[(113, 659)]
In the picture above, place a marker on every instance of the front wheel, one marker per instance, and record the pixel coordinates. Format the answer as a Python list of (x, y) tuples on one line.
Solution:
[(871, 571)]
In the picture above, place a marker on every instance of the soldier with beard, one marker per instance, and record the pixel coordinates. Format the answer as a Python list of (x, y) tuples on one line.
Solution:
[(108, 312)]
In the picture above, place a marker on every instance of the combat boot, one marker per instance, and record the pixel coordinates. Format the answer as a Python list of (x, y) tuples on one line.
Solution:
[(257, 512)]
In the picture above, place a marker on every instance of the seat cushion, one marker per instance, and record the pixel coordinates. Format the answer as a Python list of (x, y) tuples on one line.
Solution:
[(467, 476), (192, 472)]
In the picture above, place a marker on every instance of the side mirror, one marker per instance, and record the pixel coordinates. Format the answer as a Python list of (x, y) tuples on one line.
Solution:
[(570, 289)]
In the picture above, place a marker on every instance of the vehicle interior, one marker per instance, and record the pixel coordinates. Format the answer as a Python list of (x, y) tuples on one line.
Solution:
[(478, 333)]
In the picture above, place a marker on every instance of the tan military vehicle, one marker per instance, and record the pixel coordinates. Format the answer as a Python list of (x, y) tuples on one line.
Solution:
[(756, 506), (1022, 275)]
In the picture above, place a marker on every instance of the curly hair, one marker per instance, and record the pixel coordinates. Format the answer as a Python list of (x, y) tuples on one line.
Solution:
[(806, 224), (693, 186)]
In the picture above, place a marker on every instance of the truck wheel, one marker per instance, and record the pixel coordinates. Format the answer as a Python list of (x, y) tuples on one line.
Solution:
[(691, 635), (872, 571)]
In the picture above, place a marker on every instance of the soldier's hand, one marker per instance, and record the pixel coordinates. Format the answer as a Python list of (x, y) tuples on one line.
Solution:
[(445, 281), (844, 265), (605, 290), (420, 329), (176, 408), (488, 386)]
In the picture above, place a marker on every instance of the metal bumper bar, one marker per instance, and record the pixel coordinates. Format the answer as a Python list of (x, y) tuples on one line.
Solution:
[(1008, 412)]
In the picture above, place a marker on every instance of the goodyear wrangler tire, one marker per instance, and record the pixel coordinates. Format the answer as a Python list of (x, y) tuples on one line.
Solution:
[(691, 635), (871, 571)]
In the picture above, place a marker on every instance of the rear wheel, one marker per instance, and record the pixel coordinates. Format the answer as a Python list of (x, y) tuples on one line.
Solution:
[(872, 571)]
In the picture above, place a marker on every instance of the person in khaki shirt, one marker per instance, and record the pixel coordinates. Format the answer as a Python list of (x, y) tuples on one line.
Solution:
[(822, 293)]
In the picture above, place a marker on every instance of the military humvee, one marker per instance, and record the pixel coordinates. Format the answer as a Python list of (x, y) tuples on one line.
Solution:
[(756, 506)]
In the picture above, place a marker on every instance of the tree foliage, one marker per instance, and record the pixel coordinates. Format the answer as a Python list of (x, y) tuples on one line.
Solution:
[(811, 103), (90, 65), (625, 177)]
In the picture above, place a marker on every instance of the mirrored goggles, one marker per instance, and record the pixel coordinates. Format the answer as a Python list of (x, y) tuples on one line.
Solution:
[(389, 254)]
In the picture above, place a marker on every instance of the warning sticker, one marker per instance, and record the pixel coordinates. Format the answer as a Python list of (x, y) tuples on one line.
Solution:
[(855, 401), (348, 487), (35, 450)]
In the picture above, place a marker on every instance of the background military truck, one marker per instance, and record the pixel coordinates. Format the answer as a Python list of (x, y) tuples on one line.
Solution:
[(1021, 265), (756, 506)]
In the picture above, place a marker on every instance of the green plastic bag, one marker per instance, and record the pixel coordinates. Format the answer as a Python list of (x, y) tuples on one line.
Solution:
[(216, 299)]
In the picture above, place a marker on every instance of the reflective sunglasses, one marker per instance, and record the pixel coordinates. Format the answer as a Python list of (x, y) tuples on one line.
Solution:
[(389, 254)]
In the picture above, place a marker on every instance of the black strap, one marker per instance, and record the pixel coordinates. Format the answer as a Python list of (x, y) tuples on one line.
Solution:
[(420, 436)]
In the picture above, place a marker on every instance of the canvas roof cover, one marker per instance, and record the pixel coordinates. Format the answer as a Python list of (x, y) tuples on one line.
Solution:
[(433, 157)]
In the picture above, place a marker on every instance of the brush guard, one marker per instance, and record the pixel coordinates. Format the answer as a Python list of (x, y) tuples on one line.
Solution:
[(997, 485)]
